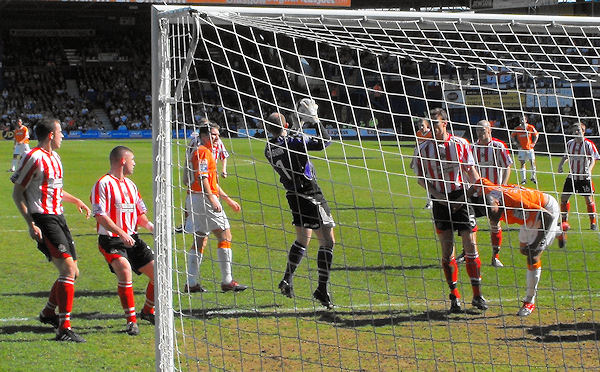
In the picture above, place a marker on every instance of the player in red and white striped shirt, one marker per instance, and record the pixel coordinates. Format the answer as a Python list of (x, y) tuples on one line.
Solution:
[(494, 161), (443, 165), (582, 155), (38, 194), (119, 209), (218, 148), (424, 133)]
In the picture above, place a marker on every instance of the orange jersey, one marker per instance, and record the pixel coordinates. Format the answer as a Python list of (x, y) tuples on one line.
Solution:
[(204, 166), (22, 135), (525, 136), (422, 136), (521, 205)]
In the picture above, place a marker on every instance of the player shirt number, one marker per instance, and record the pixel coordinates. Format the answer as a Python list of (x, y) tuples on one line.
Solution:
[(280, 165)]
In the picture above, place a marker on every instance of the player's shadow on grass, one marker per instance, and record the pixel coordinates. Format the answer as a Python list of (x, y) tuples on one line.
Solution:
[(563, 332), (12, 329), (97, 316), (383, 267), (46, 333), (353, 318), (368, 318)]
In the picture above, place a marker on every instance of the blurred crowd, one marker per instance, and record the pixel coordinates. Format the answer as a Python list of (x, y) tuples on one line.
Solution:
[(96, 83)]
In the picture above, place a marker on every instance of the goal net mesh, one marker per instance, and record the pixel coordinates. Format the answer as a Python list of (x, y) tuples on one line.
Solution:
[(374, 75)]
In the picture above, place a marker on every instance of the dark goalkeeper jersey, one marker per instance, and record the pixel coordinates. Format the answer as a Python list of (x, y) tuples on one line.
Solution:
[(288, 156)]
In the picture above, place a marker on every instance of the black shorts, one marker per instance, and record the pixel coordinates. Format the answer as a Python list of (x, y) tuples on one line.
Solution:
[(310, 210), (57, 241), (461, 220), (585, 187), (138, 256)]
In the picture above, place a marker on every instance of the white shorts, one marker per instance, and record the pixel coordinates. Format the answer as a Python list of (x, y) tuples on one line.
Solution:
[(21, 148), (527, 235), (525, 155), (202, 219)]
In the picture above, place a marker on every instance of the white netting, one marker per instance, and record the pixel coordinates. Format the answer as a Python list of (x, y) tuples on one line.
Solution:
[(374, 75)]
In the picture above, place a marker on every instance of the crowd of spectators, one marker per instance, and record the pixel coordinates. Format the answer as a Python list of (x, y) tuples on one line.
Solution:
[(34, 85), (354, 87)]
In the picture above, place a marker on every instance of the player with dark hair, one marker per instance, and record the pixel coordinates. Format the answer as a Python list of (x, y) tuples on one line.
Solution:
[(526, 136), (119, 210), (582, 155), (206, 215), (38, 194), (443, 165), (288, 155), (21, 146), (537, 213)]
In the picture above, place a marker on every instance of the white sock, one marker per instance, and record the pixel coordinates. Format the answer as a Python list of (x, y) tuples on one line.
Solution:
[(533, 171), (523, 174), (14, 164), (194, 259), (225, 262), (533, 278)]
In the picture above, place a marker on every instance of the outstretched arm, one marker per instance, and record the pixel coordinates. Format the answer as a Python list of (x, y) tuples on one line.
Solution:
[(561, 163), (232, 203), (80, 205), (224, 167), (144, 222)]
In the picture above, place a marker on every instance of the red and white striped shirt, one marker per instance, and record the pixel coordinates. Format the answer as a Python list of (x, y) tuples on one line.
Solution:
[(41, 174), (120, 200), (492, 158), (442, 164), (219, 151), (580, 157)]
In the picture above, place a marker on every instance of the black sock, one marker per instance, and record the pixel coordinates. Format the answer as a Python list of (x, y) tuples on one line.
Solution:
[(294, 257), (324, 258)]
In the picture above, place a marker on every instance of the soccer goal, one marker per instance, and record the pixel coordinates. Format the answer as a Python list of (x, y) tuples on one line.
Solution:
[(375, 76)]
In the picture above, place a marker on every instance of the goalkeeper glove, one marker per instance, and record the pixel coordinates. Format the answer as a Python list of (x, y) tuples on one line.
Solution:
[(308, 111)]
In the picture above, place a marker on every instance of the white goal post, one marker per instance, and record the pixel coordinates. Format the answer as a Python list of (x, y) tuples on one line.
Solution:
[(374, 75)]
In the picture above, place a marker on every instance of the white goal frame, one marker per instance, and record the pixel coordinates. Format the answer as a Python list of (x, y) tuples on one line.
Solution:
[(163, 97)]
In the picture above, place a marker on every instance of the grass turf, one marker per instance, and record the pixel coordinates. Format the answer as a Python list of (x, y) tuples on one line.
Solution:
[(386, 281)]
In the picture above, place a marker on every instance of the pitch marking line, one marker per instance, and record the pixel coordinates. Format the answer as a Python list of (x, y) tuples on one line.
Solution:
[(293, 310)]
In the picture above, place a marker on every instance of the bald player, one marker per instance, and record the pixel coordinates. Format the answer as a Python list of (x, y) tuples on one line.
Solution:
[(288, 154)]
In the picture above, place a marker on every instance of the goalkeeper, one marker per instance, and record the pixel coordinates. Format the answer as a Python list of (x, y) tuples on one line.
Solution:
[(288, 154)]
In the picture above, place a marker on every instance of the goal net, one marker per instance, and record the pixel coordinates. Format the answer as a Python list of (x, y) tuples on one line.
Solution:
[(374, 76)]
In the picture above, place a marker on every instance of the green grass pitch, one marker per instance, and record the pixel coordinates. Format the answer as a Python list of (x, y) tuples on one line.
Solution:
[(386, 282)]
